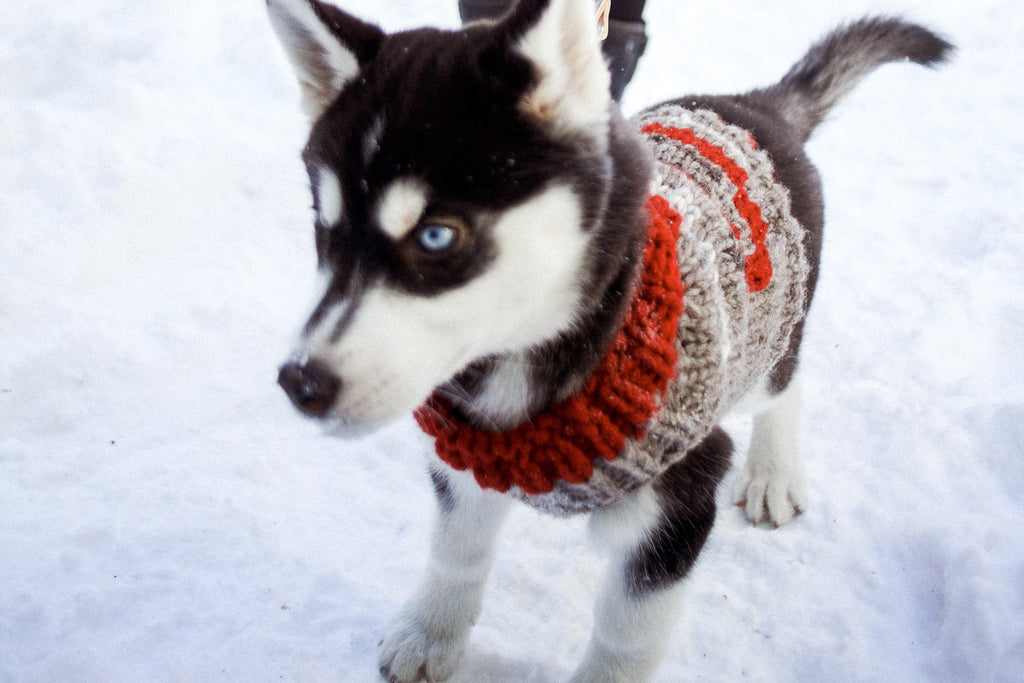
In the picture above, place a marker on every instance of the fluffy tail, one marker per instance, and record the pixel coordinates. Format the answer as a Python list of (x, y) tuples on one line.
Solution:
[(832, 67)]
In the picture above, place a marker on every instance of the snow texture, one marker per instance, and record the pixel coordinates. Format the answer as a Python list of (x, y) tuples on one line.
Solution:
[(166, 516)]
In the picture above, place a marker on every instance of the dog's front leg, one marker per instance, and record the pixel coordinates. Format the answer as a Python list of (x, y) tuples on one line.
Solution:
[(427, 637), (773, 487), (656, 534)]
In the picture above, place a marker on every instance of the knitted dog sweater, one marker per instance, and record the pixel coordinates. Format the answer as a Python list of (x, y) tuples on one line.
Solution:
[(721, 288)]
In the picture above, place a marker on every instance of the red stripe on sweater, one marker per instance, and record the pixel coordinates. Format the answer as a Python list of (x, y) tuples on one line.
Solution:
[(758, 270)]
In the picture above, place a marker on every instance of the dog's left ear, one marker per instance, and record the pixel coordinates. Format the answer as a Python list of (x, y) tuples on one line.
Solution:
[(560, 38), (326, 46)]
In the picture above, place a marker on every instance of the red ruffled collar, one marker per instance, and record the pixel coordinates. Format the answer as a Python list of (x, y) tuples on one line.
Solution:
[(616, 403)]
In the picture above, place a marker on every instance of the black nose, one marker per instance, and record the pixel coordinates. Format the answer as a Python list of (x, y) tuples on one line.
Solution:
[(311, 386)]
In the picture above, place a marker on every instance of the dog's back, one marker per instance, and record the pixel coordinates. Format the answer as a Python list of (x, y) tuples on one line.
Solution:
[(782, 117)]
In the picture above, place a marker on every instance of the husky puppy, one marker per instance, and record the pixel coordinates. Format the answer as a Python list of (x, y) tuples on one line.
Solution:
[(569, 301)]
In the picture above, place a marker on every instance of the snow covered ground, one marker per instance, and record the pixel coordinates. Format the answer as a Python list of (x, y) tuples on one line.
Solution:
[(165, 516)]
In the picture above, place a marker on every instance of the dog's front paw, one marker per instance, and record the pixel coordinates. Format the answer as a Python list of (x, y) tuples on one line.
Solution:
[(415, 649), (772, 490)]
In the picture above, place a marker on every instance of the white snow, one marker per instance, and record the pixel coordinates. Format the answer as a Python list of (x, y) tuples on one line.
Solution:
[(165, 516)]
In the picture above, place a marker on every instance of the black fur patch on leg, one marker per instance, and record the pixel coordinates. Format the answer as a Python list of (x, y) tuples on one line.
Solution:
[(781, 375), (443, 491), (686, 492)]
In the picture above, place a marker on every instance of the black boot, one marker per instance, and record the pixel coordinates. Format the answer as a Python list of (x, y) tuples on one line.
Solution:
[(622, 48), (471, 10)]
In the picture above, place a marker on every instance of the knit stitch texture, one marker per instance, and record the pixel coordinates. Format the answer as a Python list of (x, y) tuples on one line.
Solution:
[(700, 334)]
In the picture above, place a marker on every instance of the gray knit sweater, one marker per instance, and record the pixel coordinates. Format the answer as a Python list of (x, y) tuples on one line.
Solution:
[(743, 295)]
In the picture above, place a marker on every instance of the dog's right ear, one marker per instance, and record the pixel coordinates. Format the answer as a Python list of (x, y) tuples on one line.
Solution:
[(560, 39), (326, 46)]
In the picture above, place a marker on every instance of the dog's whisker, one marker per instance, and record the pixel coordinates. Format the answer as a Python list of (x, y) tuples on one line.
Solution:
[(461, 396)]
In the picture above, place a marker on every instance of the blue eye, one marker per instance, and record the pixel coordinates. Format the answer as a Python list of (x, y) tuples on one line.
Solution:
[(434, 239)]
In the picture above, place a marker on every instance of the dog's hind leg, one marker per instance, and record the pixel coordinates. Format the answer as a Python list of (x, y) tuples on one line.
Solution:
[(656, 534), (427, 637), (773, 486)]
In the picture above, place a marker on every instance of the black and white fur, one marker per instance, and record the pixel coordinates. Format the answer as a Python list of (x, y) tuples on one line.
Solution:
[(479, 221)]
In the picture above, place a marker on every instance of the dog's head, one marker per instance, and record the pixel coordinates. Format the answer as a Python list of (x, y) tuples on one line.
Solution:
[(457, 180)]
